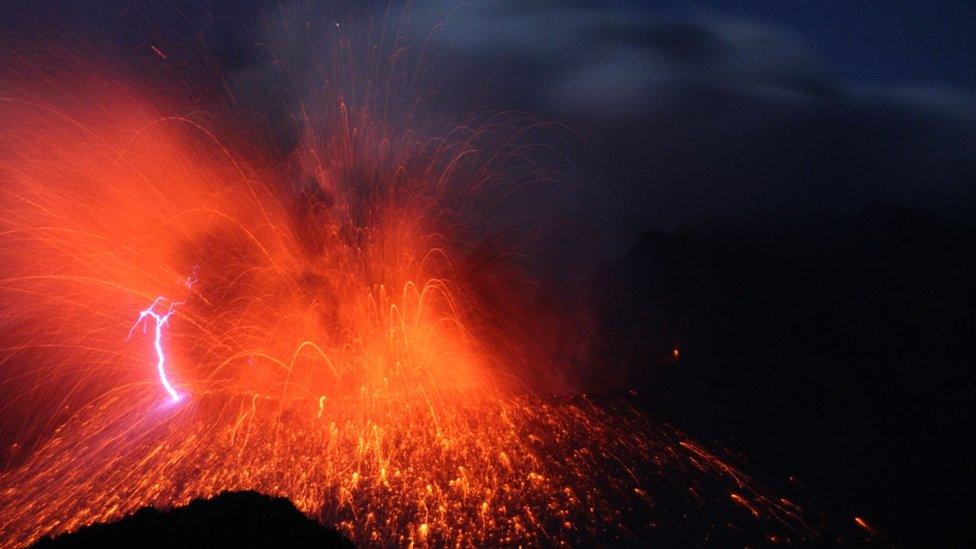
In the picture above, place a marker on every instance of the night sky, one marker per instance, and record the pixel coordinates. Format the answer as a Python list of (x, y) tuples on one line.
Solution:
[(743, 118), (891, 43)]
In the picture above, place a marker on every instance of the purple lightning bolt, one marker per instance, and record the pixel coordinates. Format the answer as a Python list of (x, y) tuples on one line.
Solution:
[(160, 320)]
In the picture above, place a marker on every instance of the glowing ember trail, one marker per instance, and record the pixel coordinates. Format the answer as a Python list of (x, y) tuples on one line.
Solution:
[(360, 342)]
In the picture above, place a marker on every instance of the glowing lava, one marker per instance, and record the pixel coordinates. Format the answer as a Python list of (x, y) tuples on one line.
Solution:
[(360, 343)]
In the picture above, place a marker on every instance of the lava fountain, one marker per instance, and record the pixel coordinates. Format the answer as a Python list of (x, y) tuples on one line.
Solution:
[(330, 324)]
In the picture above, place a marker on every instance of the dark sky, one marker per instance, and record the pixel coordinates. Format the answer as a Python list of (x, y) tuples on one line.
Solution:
[(884, 42), (743, 118)]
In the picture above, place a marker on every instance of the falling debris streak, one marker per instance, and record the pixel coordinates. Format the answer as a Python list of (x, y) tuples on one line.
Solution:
[(345, 340)]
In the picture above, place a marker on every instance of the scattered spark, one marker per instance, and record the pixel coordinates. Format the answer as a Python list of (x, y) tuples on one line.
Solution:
[(863, 524)]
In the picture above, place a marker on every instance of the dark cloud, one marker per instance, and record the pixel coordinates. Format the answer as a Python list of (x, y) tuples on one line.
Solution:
[(718, 123)]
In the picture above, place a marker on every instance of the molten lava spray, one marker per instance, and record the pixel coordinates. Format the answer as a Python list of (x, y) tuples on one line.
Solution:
[(351, 335)]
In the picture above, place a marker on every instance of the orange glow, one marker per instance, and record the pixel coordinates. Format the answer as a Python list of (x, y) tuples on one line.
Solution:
[(344, 343)]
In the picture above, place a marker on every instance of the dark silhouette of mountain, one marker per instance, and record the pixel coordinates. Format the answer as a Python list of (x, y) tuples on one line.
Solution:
[(232, 519), (842, 361)]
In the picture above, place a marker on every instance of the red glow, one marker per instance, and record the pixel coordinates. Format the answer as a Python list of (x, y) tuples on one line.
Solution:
[(349, 349)]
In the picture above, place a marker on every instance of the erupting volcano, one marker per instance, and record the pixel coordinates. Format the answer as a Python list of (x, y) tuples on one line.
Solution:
[(362, 324)]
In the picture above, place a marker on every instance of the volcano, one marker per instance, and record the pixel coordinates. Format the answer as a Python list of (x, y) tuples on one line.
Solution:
[(297, 277)]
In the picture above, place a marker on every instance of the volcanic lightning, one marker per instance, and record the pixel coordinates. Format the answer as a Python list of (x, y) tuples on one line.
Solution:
[(159, 320)]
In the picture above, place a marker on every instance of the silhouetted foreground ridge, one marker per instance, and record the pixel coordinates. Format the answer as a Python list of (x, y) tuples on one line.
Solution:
[(232, 519)]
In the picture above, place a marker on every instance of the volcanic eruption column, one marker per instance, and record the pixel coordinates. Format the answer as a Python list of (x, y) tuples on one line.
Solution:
[(362, 348)]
